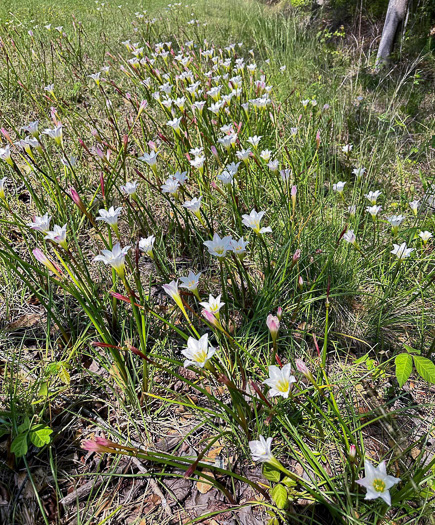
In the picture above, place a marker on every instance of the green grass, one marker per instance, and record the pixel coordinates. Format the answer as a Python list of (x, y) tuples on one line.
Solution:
[(78, 361)]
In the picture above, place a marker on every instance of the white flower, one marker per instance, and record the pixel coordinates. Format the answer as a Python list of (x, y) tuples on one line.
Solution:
[(254, 141), (115, 258), (377, 482), (243, 154), (233, 168), (261, 450), (180, 176), (213, 305), (130, 188), (305, 102), (425, 236), (5, 154), (273, 165), (294, 131), (265, 155), (110, 216), (32, 128), (374, 210), (55, 133), (198, 352), (401, 251), (146, 245), (170, 186), (239, 247), (349, 236), (396, 220), (219, 247), (226, 178), (347, 148), (414, 206), (253, 221), (286, 174), (372, 196), (96, 77), (2, 187), (150, 158), (358, 172), (49, 88), (352, 210), (175, 124), (198, 162), (228, 140), (339, 187), (216, 107), (280, 380), (196, 151), (40, 224), (57, 235), (191, 281), (172, 290), (194, 205)]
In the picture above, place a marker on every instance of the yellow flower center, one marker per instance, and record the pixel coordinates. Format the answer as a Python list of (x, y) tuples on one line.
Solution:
[(201, 356), (283, 385), (379, 485), (219, 250)]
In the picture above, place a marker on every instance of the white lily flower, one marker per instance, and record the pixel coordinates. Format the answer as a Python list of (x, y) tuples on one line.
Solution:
[(198, 352), (266, 154), (58, 235), (377, 482), (2, 188), (233, 168), (253, 221), (273, 165), (170, 186), (401, 251), (239, 247), (254, 141), (219, 247), (414, 206), (216, 107), (175, 124), (374, 210), (193, 205), (5, 154), (286, 174), (196, 151), (40, 224), (228, 140), (198, 162), (352, 210), (425, 236), (180, 176), (226, 178), (115, 258), (191, 282), (32, 128), (359, 172), (146, 245), (261, 450), (110, 216), (305, 102), (347, 148), (243, 154), (339, 187), (213, 305), (55, 133), (396, 221), (372, 196), (349, 236), (280, 380), (150, 158), (130, 188)]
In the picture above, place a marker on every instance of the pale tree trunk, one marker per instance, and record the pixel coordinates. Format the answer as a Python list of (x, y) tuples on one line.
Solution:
[(395, 14)]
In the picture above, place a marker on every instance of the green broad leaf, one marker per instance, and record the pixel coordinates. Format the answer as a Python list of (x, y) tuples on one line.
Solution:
[(43, 390), (40, 436), (403, 368), (273, 521), (425, 367), (24, 425), (288, 482), (19, 445), (411, 350), (279, 496), (271, 473), (64, 375)]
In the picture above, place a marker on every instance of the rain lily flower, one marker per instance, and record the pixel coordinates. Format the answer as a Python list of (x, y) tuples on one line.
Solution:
[(239, 247), (254, 141), (146, 245), (219, 247), (115, 258), (233, 167), (347, 148), (198, 352), (273, 165), (286, 174), (425, 236), (110, 217), (194, 206), (2, 188), (172, 290), (40, 224), (350, 237), (55, 133), (32, 128), (261, 450), (293, 193), (372, 196), (401, 251), (305, 102), (339, 188), (396, 221), (213, 305), (265, 155), (414, 206), (180, 176), (175, 124), (304, 370), (191, 283), (272, 323), (5, 154), (43, 259), (171, 186), (280, 380), (253, 221), (377, 482), (243, 154), (58, 235), (352, 210), (358, 172), (150, 159), (198, 162), (374, 210), (226, 178), (130, 188)]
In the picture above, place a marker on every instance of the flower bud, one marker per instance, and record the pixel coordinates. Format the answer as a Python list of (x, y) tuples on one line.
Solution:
[(293, 195), (77, 200), (43, 259), (352, 453), (300, 282), (279, 313), (272, 323)]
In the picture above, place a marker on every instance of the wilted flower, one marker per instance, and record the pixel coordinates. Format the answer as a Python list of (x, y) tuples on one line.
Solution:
[(253, 221), (146, 245), (280, 380), (372, 196), (219, 247), (401, 251), (286, 174), (261, 450), (191, 282), (198, 352), (377, 482), (58, 235), (40, 224), (115, 258), (425, 236), (213, 305)]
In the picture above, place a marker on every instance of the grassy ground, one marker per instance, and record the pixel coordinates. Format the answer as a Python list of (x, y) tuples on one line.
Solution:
[(78, 363)]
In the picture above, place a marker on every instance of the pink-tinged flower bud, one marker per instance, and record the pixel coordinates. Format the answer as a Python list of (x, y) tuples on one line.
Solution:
[(102, 185), (43, 259), (125, 141), (152, 145), (318, 139), (296, 257), (6, 135), (302, 367), (272, 322), (300, 282), (142, 106), (93, 446), (352, 453), (279, 313), (77, 200), (214, 152), (293, 195), (210, 318)]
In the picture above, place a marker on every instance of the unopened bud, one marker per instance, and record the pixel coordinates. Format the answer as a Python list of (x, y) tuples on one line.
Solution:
[(43, 259), (300, 282), (279, 313), (352, 453), (272, 323), (293, 195)]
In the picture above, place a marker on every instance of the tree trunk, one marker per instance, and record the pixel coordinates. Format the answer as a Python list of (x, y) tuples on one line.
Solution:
[(395, 15)]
